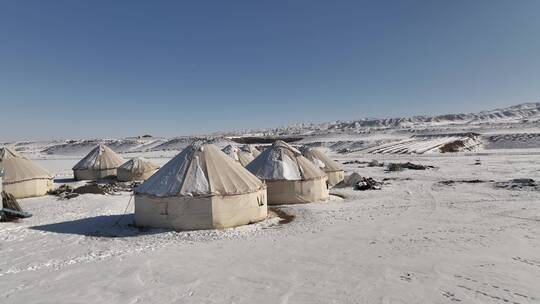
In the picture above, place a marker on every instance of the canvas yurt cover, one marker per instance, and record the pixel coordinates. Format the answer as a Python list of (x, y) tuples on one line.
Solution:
[(333, 170), (200, 188), (100, 163), (136, 169), (289, 176), (22, 177), (244, 155), (251, 149)]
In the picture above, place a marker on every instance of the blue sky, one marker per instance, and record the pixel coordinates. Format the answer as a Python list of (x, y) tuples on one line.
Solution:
[(87, 69)]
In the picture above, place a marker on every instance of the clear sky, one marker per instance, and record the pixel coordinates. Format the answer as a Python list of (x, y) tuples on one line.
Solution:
[(88, 69)]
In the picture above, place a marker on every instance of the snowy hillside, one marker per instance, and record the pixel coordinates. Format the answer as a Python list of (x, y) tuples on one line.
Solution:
[(507, 128), (522, 113)]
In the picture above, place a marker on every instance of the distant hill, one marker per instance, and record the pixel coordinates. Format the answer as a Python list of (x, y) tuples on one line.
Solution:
[(526, 114), (522, 113)]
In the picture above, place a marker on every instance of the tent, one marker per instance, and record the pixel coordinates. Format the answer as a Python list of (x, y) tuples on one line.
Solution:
[(291, 178), (100, 163), (333, 170), (23, 177), (244, 155), (200, 188), (136, 169), (251, 149)]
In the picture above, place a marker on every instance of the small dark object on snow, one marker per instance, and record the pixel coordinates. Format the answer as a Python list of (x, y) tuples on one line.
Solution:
[(64, 192), (466, 181), (344, 151), (368, 184), (70, 195), (478, 162), (60, 190), (11, 209), (394, 167), (453, 146), (375, 163), (349, 162), (92, 188), (349, 181), (408, 165), (68, 192), (519, 184), (358, 182)]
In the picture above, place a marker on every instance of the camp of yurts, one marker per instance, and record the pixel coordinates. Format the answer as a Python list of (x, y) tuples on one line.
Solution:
[(290, 177), (333, 170), (23, 177), (136, 169), (200, 188), (244, 155), (101, 162)]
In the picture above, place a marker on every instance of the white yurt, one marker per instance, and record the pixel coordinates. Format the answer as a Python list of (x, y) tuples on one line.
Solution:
[(290, 177), (136, 169), (200, 188), (23, 177), (251, 149), (333, 170), (244, 155), (100, 163)]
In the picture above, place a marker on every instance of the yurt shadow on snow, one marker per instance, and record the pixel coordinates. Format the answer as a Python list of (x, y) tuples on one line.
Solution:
[(117, 225)]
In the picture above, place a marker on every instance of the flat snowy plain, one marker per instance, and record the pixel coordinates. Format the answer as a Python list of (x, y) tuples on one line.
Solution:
[(415, 241)]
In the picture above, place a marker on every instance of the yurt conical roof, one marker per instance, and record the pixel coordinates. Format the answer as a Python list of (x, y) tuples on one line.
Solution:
[(231, 151), (200, 170), (251, 149), (6, 153), (239, 154), (138, 165), (321, 160), (281, 161), (19, 169), (100, 158)]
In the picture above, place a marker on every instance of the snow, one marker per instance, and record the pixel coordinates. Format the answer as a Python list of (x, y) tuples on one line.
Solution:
[(418, 240), (414, 241)]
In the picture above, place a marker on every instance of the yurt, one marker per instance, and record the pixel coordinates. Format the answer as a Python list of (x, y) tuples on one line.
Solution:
[(22, 177), (200, 188), (251, 149), (243, 155), (333, 170), (136, 169), (290, 177), (100, 163)]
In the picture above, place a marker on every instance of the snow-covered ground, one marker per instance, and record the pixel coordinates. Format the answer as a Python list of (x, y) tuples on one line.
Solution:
[(415, 241), (448, 234)]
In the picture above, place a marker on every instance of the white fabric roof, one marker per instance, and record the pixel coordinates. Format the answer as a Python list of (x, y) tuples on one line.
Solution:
[(251, 149), (19, 169), (200, 170), (138, 165), (100, 158), (281, 161), (321, 160), (242, 155)]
